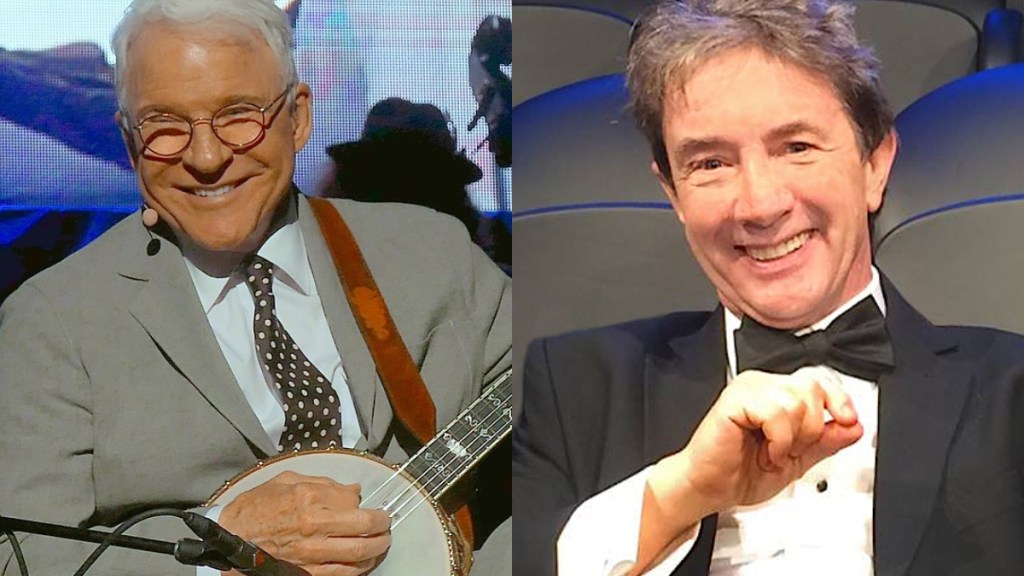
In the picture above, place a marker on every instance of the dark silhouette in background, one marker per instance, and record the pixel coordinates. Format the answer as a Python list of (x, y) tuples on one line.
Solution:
[(492, 88), (408, 153)]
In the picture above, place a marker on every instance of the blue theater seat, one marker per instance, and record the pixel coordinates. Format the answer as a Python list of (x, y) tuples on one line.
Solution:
[(949, 230)]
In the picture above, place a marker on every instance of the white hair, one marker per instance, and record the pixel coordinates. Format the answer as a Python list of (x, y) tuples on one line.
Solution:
[(259, 16)]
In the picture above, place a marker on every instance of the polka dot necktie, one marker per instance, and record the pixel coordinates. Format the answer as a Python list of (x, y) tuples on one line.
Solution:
[(311, 408)]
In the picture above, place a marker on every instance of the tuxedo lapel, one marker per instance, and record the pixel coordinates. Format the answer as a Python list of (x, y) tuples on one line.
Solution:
[(680, 387), (372, 407), (169, 309), (919, 406)]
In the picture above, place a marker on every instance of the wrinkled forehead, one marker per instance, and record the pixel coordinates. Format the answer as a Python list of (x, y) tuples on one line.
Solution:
[(160, 46), (216, 31)]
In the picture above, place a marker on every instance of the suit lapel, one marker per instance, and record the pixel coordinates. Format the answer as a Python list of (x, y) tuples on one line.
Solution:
[(919, 406), (169, 309), (368, 395), (680, 387)]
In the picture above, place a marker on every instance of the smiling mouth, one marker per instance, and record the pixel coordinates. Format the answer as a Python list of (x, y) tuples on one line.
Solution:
[(212, 192), (769, 253)]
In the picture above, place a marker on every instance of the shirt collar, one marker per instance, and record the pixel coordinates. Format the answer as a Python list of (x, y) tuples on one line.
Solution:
[(285, 248), (733, 322)]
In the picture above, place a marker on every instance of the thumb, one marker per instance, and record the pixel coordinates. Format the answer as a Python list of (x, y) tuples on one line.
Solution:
[(833, 438)]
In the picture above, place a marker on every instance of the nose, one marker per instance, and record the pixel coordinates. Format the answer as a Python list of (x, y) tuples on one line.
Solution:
[(764, 197), (206, 154)]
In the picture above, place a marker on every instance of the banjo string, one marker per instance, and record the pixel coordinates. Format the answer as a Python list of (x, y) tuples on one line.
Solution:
[(396, 505), (501, 391), (416, 499), (498, 387), (385, 493)]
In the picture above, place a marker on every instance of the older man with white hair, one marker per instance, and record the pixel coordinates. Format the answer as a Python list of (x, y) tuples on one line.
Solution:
[(146, 370)]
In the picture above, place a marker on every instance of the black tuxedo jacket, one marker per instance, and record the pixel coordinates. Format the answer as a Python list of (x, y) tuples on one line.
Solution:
[(600, 405)]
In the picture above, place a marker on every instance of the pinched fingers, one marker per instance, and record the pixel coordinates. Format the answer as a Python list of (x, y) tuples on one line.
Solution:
[(830, 422), (837, 401), (789, 412), (777, 414)]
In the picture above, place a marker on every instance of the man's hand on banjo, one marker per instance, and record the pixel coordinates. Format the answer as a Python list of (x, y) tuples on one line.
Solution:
[(313, 522)]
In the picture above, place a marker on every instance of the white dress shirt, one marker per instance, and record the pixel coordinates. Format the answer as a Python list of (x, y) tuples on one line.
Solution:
[(819, 523), (230, 308)]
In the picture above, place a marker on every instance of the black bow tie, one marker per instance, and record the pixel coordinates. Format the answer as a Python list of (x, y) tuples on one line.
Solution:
[(856, 343)]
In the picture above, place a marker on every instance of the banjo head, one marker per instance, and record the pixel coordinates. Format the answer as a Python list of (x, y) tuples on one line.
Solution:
[(426, 541)]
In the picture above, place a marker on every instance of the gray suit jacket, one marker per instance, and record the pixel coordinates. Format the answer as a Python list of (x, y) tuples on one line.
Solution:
[(115, 397)]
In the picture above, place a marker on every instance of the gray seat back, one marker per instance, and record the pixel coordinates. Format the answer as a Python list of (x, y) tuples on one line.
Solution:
[(921, 46), (961, 143), (596, 241), (948, 230), (557, 45)]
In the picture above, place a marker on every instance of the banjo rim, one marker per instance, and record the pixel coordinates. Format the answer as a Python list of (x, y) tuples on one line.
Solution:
[(460, 554)]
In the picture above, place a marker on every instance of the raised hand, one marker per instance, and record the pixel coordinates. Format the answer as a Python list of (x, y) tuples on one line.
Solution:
[(763, 432)]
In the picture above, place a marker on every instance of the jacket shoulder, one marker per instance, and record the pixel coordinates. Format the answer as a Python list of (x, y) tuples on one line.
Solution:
[(93, 264), (633, 339), (401, 222)]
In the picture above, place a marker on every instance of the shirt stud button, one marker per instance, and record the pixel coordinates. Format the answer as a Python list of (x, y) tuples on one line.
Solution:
[(822, 485)]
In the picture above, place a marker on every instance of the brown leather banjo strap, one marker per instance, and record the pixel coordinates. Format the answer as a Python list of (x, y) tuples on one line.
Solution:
[(409, 397)]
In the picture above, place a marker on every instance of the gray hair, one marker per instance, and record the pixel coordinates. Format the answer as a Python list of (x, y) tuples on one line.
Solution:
[(260, 16), (675, 37)]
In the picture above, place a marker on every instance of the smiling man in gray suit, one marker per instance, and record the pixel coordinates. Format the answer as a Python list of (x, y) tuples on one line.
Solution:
[(132, 375)]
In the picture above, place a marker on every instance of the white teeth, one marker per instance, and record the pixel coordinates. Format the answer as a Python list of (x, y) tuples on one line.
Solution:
[(780, 250), (215, 192)]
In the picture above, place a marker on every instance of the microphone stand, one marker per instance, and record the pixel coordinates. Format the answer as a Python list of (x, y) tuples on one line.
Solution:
[(187, 551)]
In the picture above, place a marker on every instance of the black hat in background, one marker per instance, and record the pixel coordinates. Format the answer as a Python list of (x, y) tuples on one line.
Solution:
[(402, 135)]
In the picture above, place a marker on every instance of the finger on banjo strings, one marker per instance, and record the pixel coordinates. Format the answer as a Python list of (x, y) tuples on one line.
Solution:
[(361, 522), (348, 550)]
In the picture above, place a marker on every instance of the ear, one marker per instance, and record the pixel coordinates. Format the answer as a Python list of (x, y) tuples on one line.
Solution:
[(302, 116), (669, 188), (878, 167), (127, 138)]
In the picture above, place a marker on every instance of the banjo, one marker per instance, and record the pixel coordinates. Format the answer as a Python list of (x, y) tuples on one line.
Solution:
[(424, 538)]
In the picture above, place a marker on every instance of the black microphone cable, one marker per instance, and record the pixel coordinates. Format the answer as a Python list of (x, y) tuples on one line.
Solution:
[(22, 567), (121, 529)]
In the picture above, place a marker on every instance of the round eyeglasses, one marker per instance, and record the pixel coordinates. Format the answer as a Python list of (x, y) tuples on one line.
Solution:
[(238, 126)]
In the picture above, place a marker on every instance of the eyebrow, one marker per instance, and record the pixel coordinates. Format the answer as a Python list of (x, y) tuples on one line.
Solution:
[(691, 147), (796, 128), (222, 103)]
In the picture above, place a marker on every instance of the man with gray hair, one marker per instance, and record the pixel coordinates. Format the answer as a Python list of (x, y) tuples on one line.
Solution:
[(814, 423), (140, 373)]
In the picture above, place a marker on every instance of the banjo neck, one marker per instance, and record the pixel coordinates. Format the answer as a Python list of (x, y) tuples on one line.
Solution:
[(465, 440)]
